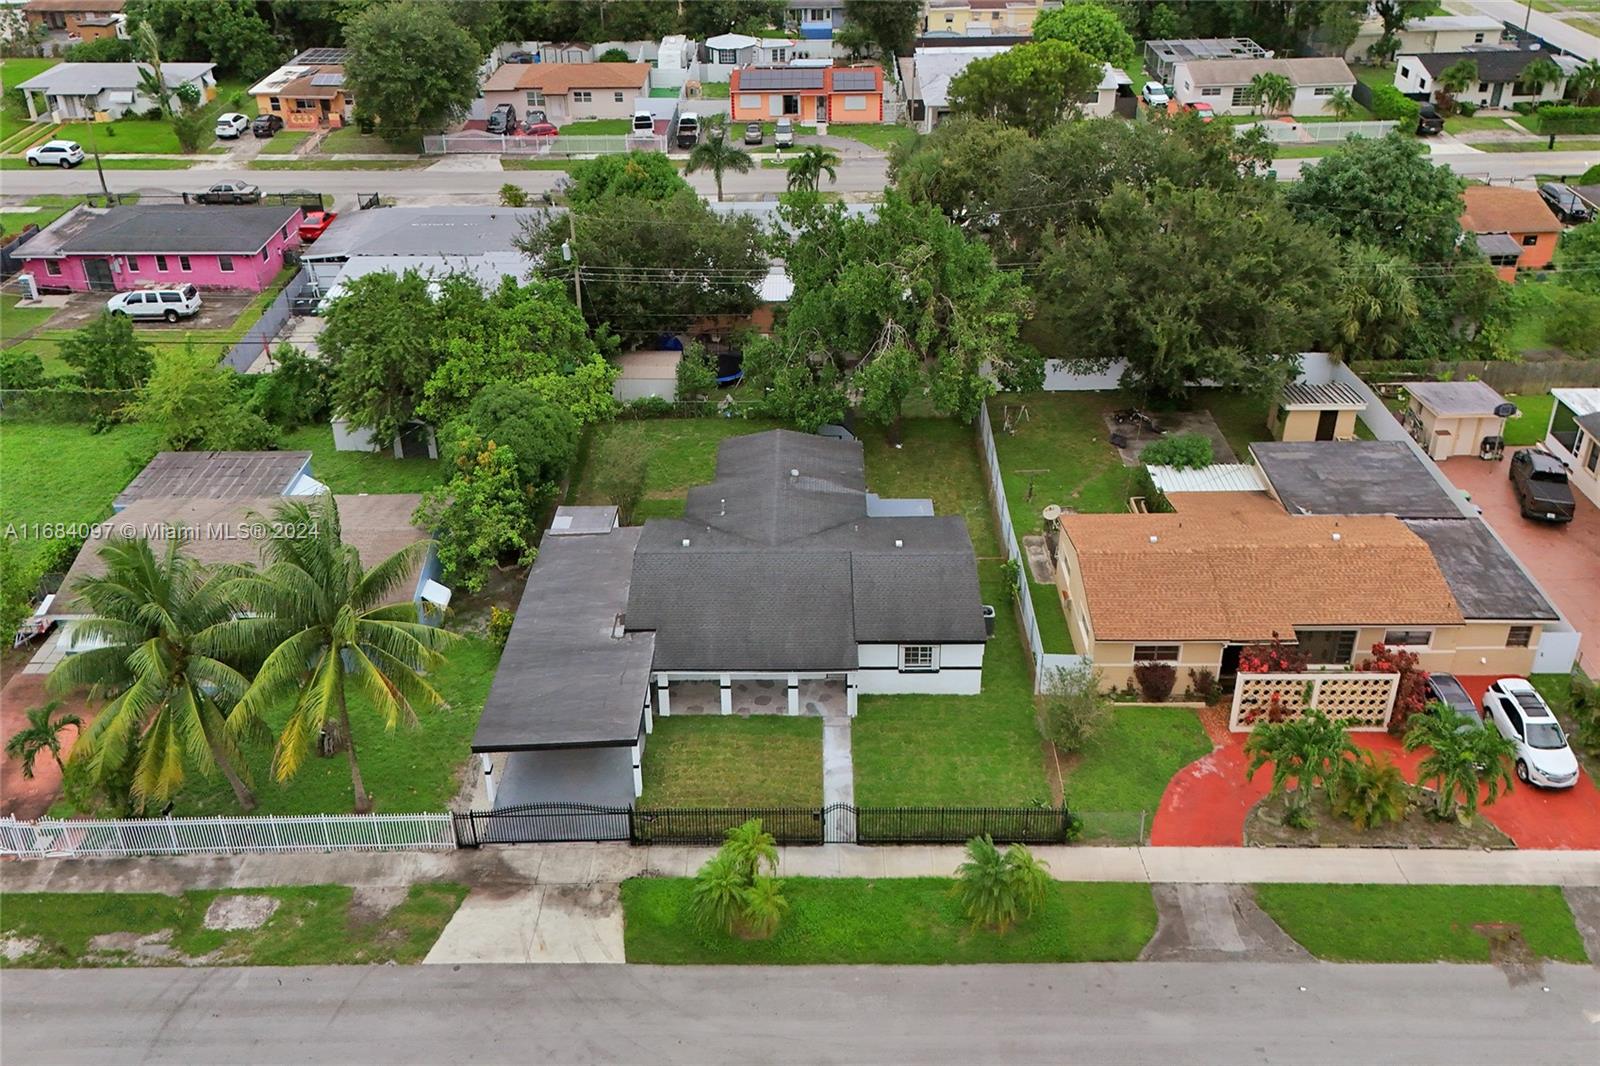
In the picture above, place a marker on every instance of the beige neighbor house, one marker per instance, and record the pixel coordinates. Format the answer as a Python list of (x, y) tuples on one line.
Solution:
[(1574, 436), (1225, 83), (568, 92), (1449, 418), (1353, 544), (1316, 412)]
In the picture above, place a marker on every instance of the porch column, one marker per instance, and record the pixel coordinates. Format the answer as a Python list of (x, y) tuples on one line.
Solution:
[(490, 785), (33, 113), (649, 718), (665, 700), (726, 684), (794, 694), (850, 694), (638, 772)]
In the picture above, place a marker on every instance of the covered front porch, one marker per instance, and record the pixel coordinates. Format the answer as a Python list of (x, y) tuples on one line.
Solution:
[(820, 695)]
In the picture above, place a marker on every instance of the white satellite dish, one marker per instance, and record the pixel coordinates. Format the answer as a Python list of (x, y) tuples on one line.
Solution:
[(1052, 512)]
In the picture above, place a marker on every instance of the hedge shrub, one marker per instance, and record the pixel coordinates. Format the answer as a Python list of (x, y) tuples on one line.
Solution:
[(1390, 103), (1565, 118), (1186, 451)]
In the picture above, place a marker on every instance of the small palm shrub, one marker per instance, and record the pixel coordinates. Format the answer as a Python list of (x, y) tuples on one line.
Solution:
[(1461, 763), (999, 888), (1310, 750), (731, 891), (1371, 792)]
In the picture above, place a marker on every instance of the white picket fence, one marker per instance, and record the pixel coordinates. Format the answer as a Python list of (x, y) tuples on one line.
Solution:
[(1043, 663), (1319, 132), (476, 142), (52, 839)]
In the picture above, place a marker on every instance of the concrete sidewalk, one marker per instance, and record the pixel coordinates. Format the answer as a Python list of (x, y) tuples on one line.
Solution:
[(585, 864)]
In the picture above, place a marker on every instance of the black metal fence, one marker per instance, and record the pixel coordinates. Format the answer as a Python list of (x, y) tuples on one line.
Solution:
[(838, 823)]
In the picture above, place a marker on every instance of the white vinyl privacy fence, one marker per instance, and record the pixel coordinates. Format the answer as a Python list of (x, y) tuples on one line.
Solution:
[(1319, 132), (1043, 664), (51, 839), (478, 143)]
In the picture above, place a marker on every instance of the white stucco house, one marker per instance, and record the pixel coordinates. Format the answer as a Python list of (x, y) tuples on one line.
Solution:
[(1225, 83), (1429, 33), (104, 91), (1574, 437), (1500, 71)]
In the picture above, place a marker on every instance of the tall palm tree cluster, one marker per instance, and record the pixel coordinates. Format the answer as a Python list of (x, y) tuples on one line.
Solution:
[(199, 661)]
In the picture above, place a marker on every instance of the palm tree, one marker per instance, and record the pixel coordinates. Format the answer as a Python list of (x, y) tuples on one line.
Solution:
[(1371, 792), (752, 848), (1541, 72), (718, 156), (1341, 104), (330, 626), (762, 907), (43, 733), (1584, 83), (152, 82), (998, 888), (805, 173), (1307, 750), (718, 897), (1455, 79), (1374, 304), (1462, 761), (1273, 92), (153, 617), (730, 891)]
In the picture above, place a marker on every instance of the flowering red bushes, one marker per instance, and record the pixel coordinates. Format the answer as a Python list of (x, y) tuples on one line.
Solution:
[(1273, 657), (1411, 695)]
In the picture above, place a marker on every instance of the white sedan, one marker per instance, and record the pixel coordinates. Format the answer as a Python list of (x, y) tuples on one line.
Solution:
[(231, 124), (1522, 717)]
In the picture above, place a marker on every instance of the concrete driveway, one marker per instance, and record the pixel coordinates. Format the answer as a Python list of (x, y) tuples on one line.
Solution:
[(1564, 559), (219, 310)]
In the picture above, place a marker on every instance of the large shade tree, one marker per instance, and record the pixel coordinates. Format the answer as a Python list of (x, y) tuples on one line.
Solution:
[(1031, 86), (412, 67), (1093, 29)]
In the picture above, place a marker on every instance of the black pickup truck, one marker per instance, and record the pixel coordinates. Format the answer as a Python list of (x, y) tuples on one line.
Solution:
[(1540, 482)]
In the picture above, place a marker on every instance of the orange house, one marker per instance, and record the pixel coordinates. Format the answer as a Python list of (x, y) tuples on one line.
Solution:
[(88, 20), (1516, 230), (308, 92), (806, 95)]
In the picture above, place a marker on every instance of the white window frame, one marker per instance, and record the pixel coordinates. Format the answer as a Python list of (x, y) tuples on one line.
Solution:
[(1240, 97), (225, 264), (919, 658), (855, 103), (1212, 90), (727, 57), (534, 98), (583, 96), (617, 96)]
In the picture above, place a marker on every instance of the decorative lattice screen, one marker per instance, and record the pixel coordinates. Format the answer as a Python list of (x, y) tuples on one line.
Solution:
[(1358, 701)]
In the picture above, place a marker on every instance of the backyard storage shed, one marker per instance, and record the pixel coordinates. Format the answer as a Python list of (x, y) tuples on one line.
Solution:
[(1456, 417), (1316, 412)]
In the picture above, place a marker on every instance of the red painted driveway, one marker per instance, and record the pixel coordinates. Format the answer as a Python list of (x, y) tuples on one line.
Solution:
[(1206, 802)]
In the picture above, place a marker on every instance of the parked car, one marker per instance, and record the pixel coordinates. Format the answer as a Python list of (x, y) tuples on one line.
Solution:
[(265, 126), (1539, 481), (644, 122), (520, 57), (1566, 203), (170, 303), (65, 154), (1203, 109), (783, 133), (1522, 717), (539, 129), (315, 224), (503, 119), (230, 124), (1429, 121), (1446, 689), (688, 130), (754, 134), (1154, 94)]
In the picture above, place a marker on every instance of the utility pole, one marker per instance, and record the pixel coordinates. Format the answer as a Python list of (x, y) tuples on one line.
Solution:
[(572, 254), (94, 146)]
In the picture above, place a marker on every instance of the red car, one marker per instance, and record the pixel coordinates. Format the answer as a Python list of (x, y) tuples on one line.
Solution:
[(1202, 109), (540, 129), (315, 224)]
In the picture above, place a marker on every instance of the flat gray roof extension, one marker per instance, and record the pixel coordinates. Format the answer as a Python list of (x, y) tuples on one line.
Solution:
[(1485, 580), (1358, 477), (569, 677)]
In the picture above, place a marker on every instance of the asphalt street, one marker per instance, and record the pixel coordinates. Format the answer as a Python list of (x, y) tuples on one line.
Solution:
[(1232, 1013)]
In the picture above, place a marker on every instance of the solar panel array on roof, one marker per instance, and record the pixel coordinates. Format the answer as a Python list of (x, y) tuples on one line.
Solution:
[(795, 78), (851, 80), (332, 56), (327, 79)]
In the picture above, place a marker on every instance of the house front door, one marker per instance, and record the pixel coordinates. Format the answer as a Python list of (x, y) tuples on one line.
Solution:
[(98, 271), (1327, 424), (1494, 96)]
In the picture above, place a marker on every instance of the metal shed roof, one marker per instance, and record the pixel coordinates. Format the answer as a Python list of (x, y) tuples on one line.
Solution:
[(1329, 396), (1219, 477), (1457, 397)]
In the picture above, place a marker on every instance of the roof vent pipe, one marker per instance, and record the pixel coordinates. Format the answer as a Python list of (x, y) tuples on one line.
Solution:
[(1154, 538), (685, 542), (1337, 538), (899, 544)]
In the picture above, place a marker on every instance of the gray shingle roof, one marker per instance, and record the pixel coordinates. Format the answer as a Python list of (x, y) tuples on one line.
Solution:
[(1485, 580), (784, 570), (1504, 64), (80, 79), (240, 230), (218, 475)]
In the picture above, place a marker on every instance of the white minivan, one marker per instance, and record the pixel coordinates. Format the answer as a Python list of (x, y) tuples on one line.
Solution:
[(171, 304)]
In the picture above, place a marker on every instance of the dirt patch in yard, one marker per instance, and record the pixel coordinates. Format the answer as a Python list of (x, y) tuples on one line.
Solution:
[(1510, 952), (1264, 827), (240, 912)]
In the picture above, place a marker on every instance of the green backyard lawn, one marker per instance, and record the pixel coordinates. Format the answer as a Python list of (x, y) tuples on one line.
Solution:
[(36, 486), (1125, 769), (1422, 923), (16, 321), (598, 127), (682, 453), (313, 925), (910, 921), (1533, 418), (1059, 451), (712, 761), (1050, 613), (46, 210), (353, 472), (938, 459), (1242, 417)]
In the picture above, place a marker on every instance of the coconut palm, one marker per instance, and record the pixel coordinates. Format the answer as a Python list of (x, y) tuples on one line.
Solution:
[(1454, 80), (752, 848), (1461, 763), (1584, 83), (42, 734), (1341, 104), (152, 82), (805, 173), (330, 627), (718, 156), (1541, 72), (1307, 750), (171, 691), (997, 888), (1271, 92)]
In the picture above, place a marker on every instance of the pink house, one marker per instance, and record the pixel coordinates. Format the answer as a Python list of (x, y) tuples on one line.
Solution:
[(112, 249)]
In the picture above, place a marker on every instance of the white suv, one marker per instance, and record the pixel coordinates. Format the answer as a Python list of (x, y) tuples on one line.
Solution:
[(1522, 717), (55, 154), (170, 304), (230, 124)]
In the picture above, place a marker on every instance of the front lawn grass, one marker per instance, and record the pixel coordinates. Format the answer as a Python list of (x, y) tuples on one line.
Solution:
[(1060, 452), (1126, 767), (124, 135), (1422, 923), (1466, 124), (715, 761), (284, 142), (314, 163), (1050, 613), (407, 771), (64, 472), (314, 925), (957, 751), (16, 321), (1533, 418), (682, 453), (18, 163), (348, 473), (599, 127), (349, 140), (1563, 144), (901, 921)]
